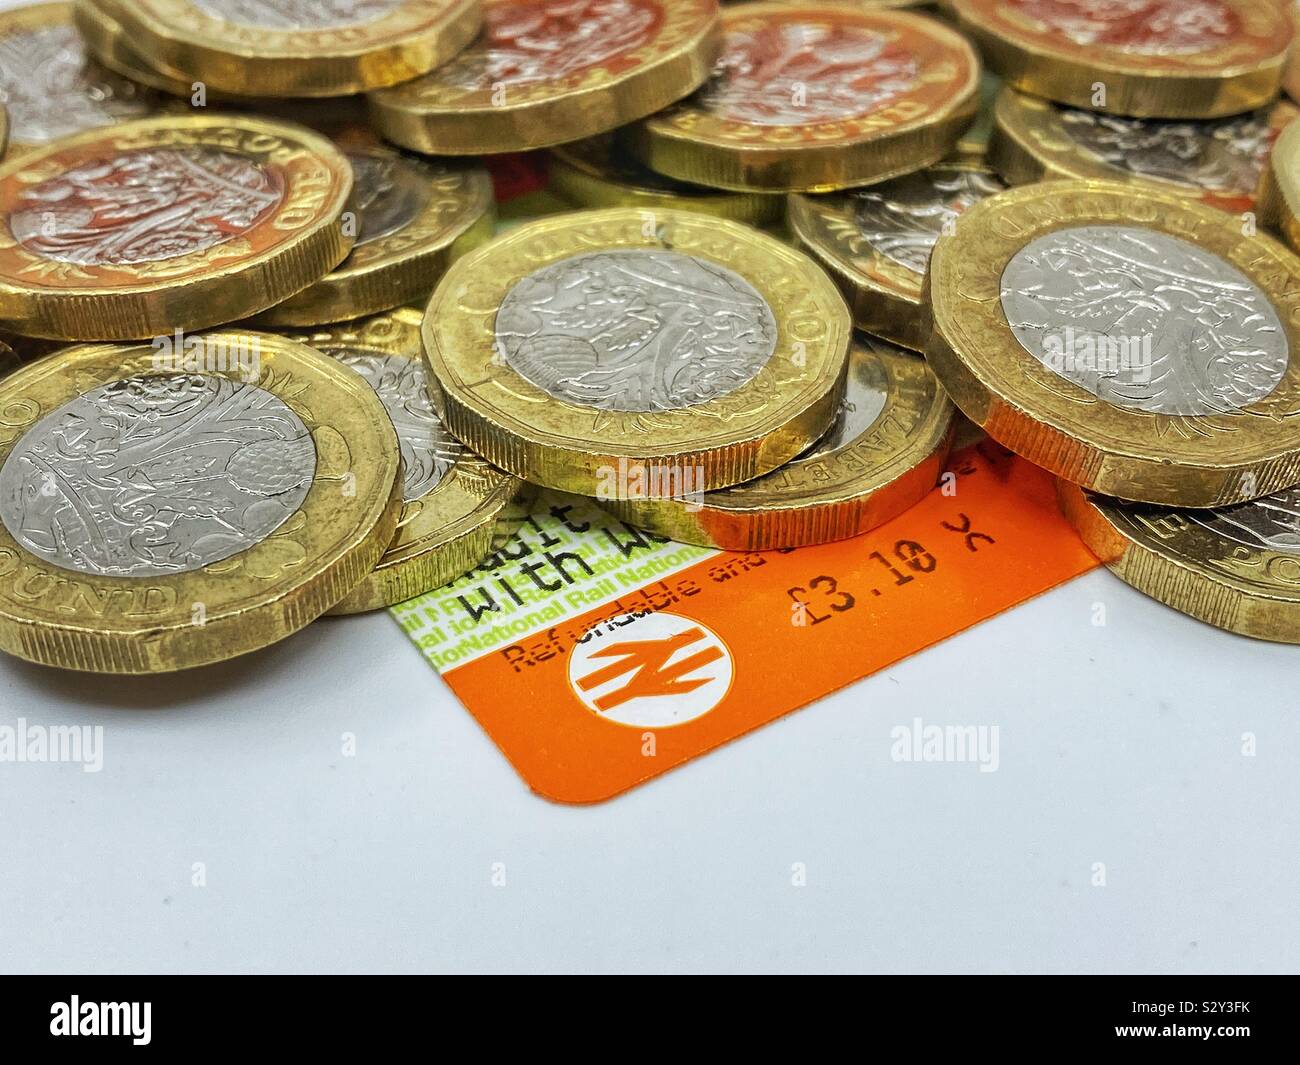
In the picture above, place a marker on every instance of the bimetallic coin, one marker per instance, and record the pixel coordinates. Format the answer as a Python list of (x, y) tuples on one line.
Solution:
[(110, 44), (1279, 193), (814, 97), (103, 36), (883, 454), (1128, 339), (544, 72), (1145, 58), (1237, 568), (296, 47), (165, 507), (599, 172), (1218, 160), (105, 39), (588, 349), (134, 230), (876, 241), (451, 499), (412, 219), (50, 87)]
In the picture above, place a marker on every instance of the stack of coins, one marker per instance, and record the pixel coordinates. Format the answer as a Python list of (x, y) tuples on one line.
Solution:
[(700, 379), (1121, 317), (274, 361), (257, 447)]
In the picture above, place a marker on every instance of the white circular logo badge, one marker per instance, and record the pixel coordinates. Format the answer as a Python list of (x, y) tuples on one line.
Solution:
[(651, 670)]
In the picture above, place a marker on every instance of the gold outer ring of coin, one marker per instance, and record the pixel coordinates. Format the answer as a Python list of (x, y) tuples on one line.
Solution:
[(1031, 142), (402, 266), (1176, 558), (453, 112), (450, 112), (736, 436), (693, 143), (1279, 191), (833, 492), (106, 40), (447, 530), (81, 620), (1217, 81), (283, 249), (413, 38), (597, 172), (884, 295), (108, 43), (1175, 460)]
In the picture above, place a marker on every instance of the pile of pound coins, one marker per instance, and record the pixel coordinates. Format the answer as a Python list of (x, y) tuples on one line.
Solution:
[(267, 354)]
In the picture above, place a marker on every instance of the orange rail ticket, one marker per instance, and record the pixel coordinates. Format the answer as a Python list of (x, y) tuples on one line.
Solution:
[(597, 656)]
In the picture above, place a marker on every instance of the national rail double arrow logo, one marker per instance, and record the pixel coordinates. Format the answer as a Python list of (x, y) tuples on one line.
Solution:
[(651, 671)]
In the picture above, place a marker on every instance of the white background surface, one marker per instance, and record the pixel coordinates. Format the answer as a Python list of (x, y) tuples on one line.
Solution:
[(1119, 744)]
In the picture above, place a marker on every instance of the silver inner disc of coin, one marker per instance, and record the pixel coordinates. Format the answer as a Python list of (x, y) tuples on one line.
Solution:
[(1268, 524), (144, 206), (1145, 321), (904, 218), (389, 192), (429, 451), (1143, 27), (155, 475), (801, 70), (298, 14), (1222, 154), (635, 330), (50, 90), (549, 40), (866, 391)]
